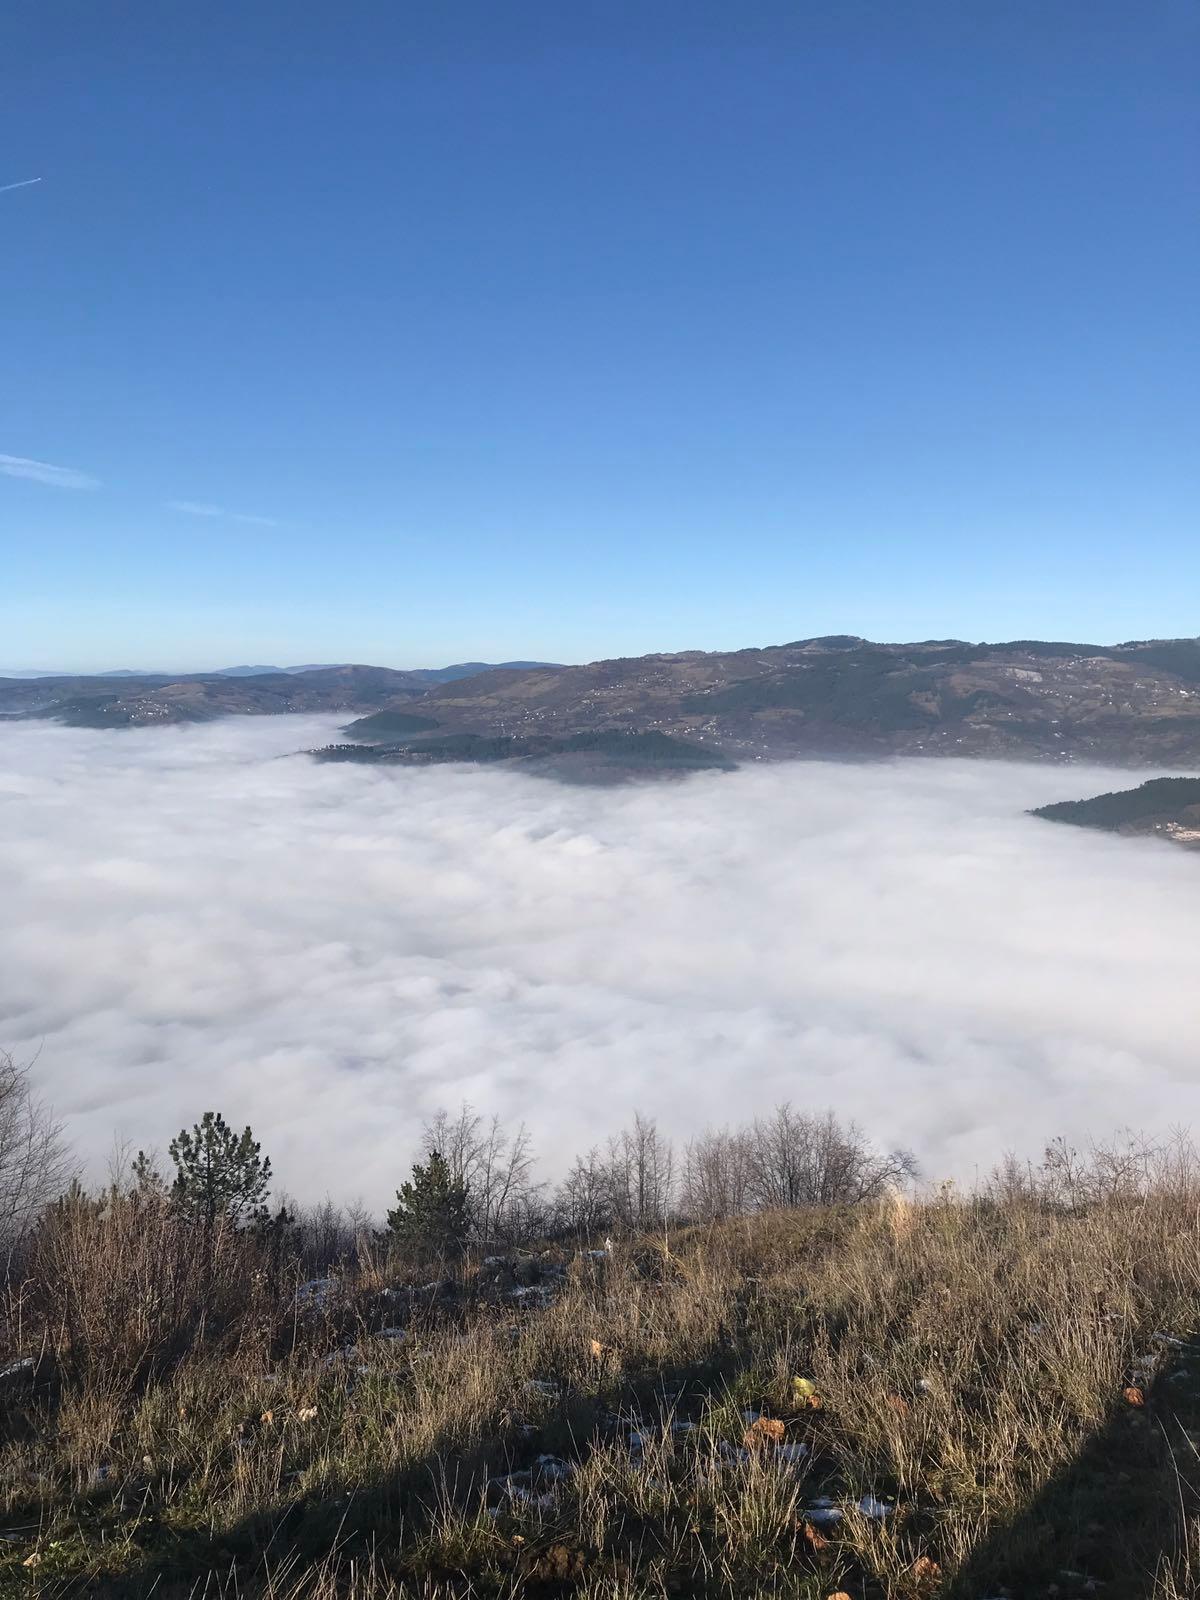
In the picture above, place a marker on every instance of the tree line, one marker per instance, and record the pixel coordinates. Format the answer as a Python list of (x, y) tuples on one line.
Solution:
[(475, 1182)]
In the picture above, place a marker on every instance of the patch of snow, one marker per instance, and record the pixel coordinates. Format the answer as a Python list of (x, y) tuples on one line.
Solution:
[(516, 1488), (315, 1292), (538, 1293), (875, 1509)]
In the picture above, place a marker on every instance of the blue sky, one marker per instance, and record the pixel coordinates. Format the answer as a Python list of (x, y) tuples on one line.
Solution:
[(565, 330)]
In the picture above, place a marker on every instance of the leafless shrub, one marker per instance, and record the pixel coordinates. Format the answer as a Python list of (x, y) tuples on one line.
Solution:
[(790, 1159), (123, 1285), (582, 1202), (640, 1175), (493, 1165), (630, 1187), (1120, 1170), (718, 1169), (34, 1162), (798, 1159)]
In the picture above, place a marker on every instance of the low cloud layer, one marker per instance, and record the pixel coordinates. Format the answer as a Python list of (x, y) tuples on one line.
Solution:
[(196, 918)]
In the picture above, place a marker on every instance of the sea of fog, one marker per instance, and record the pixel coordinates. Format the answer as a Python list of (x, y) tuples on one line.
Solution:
[(198, 917)]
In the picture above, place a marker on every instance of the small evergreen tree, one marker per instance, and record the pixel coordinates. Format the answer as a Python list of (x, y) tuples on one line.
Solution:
[(219, 1174), (430, 1214), (147, 1180)]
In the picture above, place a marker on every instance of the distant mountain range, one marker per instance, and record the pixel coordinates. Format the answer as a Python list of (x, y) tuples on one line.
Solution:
[(461, 669), (131, 699), (1136, 703)]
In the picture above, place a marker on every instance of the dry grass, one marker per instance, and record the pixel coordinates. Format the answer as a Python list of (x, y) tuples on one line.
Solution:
[(199, 1432)]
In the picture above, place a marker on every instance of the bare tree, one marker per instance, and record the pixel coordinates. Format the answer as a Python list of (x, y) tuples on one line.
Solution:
[(582, 1202), (503, 1190), (34, 1162), (800, 1160), (641, 1178), (1123, 1169), (492, 1165), (716, 1177), (457, 1139)]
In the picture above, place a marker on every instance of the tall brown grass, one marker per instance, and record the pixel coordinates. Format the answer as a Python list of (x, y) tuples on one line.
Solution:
[(999, 1375)]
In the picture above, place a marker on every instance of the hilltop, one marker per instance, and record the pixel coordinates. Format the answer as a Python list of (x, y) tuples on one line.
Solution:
[(914, 1401), (129, 699), (1168, 808), (583, 757), (1135, 704)]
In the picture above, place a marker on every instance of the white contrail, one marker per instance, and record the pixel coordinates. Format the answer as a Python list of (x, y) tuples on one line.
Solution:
[(24, 184)]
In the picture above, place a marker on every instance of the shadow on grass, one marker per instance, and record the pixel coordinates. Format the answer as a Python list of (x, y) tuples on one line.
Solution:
[(1101, 1526), (1105, 1524), (423, 1525)]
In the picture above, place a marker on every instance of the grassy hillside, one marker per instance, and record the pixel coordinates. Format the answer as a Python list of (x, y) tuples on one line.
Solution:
[(957, 1397)]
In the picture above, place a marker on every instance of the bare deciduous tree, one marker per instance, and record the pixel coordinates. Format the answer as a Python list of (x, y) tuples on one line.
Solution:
[(803, 1160), (716, 1177), (582, 1204), (1123, 1169), (494, 1166), (641, 1178), (34, 1164)]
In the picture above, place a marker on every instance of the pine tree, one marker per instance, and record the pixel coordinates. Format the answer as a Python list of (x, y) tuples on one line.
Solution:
[(431, 1210), (219, 1174)]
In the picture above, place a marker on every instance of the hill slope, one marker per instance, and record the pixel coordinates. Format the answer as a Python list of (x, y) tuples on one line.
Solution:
[(1167, 807), (117, 702), (923, 1402), (1135, 704)]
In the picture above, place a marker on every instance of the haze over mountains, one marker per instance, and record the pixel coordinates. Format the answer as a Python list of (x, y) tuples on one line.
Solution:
[(133, 699), (460, 669), (1136, 703)]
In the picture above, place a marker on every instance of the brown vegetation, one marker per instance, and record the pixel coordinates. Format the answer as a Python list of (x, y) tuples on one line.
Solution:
[(898, 1399)]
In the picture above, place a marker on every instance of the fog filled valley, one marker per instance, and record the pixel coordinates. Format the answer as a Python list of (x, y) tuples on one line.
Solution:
[(201, 917), (699, 1315)]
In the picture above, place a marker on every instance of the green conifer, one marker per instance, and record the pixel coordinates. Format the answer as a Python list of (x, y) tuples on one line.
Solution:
[(430, 1214), (220, 1175)]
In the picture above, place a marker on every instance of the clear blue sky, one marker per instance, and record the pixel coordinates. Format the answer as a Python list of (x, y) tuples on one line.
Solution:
[(588, 327)]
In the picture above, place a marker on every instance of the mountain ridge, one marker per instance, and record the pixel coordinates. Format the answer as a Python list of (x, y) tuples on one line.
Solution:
[(1136, 703)]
